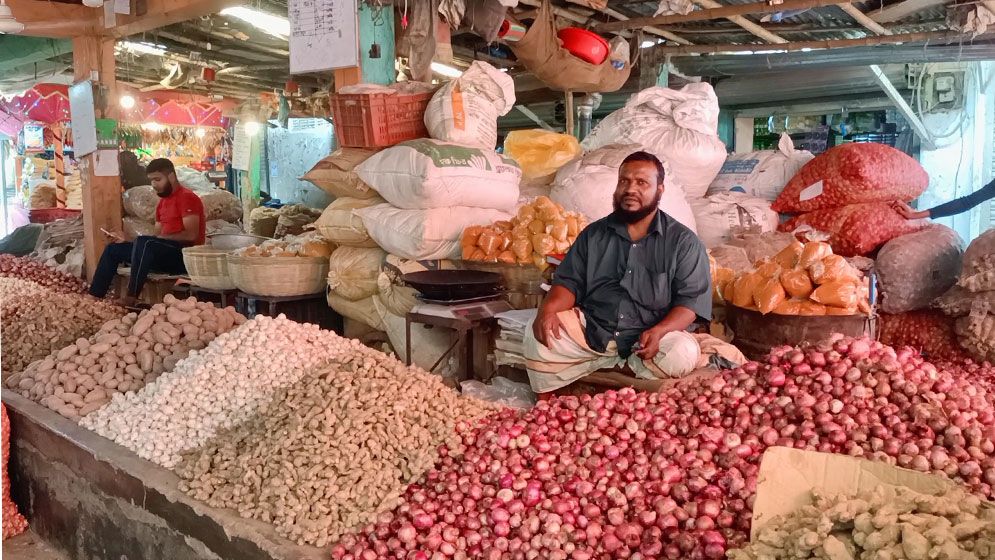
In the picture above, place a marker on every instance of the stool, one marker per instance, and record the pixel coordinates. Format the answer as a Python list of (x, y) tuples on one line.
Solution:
[(472, 334), (310, 308), (156, 286)]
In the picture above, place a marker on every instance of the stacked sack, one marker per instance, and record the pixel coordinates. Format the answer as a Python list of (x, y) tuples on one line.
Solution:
[(802, 279), (140, 205), (587, 185), (972, 300), (540, 154), (915, 269), (847, 192)]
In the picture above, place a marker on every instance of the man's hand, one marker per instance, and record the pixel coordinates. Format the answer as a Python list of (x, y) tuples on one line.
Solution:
[(907, 212), (649, 342), (546, 325)]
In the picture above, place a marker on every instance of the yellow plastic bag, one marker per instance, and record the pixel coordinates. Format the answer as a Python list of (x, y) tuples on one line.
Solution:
[(540, 152), (797, 283), (839, 293), (742, 295), (788, 257), (768, 294)]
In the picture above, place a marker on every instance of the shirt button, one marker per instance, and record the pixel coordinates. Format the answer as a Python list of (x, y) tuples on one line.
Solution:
[(620, 316), (616, 333), (628, 271)]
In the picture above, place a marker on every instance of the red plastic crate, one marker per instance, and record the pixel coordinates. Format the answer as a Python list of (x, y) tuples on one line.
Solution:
[(378, 120), (46, 215)]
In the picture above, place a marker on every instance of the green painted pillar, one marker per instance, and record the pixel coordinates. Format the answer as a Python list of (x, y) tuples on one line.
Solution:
[(376, 25), (727, 129)]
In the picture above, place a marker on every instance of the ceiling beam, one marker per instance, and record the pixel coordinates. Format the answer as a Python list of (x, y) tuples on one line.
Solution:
[(167, 12), (18, 51), (744, 23), (716, 13), (863, 20), (902, 10), (49, 19), (668, 35), (938, 36), (903, 107)]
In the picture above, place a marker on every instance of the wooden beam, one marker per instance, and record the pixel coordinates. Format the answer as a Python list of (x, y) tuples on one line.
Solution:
[(938, 36), (668, 35), (901, 10), (101, 195), (863, 20), (744, 23), (48, 19), (717, 13), (167, 12)]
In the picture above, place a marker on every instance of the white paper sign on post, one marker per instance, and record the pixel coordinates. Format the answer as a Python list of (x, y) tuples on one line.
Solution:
[(241, 149), (84, 119), (324, 35)]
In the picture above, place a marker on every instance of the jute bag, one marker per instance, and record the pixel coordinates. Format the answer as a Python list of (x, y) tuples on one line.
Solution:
[(540, 51)]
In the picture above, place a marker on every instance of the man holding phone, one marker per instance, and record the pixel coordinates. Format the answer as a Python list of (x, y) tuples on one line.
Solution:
[(179, 223)]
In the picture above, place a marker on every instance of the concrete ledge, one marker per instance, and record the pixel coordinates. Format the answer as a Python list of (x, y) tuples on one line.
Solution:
[(95, 500)]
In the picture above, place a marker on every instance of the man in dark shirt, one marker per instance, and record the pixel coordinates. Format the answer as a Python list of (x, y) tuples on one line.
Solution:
[(628, 280)]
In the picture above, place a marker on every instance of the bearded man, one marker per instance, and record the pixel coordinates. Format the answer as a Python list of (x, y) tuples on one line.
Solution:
[(628, 280)]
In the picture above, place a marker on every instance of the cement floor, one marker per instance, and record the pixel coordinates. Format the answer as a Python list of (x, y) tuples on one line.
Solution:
[(27, 546)]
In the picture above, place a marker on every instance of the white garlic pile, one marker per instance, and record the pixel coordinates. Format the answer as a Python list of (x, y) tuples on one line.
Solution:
[(217, 388)]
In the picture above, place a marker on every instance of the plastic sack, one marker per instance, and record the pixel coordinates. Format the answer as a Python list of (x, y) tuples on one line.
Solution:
[(677, 356), (717, 217), (133, 227), (768, 294), (335, 174), (858, 229), (340, 224), (838, 293), (743, 288), (926, 330), (220, 205), (423, 174), (759, 246), (263, 220), (194, 180), (959, 301), (813, 252), (424, 234), (832, 269), (465, 111), (853, 173), (978, 271), (811, 309), (363, 311), (140, 202), (587, 185), (678, 126), (915, 269), (797, 283), (760, 174), (789, 257), (427, 344), (353, 271), (294, 219), (540, 153), (501, 391), (789, 307)]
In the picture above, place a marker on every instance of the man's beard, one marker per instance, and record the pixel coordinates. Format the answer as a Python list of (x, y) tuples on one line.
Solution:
[(167, 192), (633, 216)]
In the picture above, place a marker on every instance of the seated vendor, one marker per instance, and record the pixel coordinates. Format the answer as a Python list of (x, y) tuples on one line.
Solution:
[(179, 223), (628, 280)]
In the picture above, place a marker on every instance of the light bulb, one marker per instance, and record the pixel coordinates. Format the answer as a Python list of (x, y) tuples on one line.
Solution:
[(200, 132), (252, 128), (93, 3), (127, 101)]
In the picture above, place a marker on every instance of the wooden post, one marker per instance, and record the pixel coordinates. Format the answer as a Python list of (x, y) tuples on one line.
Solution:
[(568, 107), (101, 195), (58, 146)]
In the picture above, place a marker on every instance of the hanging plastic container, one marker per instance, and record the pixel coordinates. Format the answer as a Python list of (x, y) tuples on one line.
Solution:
[(585, 45)]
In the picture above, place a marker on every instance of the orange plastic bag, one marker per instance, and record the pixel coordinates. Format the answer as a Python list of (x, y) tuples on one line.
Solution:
[(769, 294), (537, 226), (768, 269), (789, 307), (830, 310), (468, 252), (743, 289), (543, 244), (522, 248), (559, 230), (489, 242), (811, 309), (506, 257), (788, 257), (477, 255), (573, 225), (842, 293), (832, 269), (814, 252), (526, 213), (547, 210), (471, 235), (797, 283)]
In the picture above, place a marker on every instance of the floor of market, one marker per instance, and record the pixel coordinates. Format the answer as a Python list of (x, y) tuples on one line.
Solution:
[(29, 546)]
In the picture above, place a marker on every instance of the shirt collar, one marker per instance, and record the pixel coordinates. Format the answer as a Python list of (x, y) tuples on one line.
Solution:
[(619, 227)]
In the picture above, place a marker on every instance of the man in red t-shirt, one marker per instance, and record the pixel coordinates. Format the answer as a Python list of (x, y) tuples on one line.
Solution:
[(179, 223)]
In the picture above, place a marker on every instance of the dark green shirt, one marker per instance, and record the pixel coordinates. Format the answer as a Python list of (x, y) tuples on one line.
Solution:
[(624, 288)]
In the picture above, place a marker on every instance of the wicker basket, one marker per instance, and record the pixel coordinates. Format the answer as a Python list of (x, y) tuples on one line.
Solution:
[(208, 267), (279, 276)]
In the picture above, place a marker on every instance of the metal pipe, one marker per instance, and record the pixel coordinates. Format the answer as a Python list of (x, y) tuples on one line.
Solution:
[(585, 113)]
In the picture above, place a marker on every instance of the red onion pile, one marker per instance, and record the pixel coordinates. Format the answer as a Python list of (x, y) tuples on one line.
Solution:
[(28, 269), (673, 474)]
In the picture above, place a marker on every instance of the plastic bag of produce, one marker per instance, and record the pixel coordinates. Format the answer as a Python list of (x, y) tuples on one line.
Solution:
[(796, 283), (850, 174), (502, 391), (194, 180), (340, 224), (43, 195), (838, 293), (219, 205), (857, 229), (831, 269), (587, 185), (926, 330), (422, 174), (465, 111), (915, 269), (768, 294), (364, 310), (352, 271), (761, 174), (335, 174), (263, 220), (13, 522), (808, 308), (424, 234), (140, 202), (678, 126), (540, 153), (813, 252), (789, 307), (978, 273), (788, 257), (294, 220), (743, 289), (717, 217), (759, 246)]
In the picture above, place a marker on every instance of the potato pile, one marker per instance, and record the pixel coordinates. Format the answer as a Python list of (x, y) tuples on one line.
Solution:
[(308, 245), (217, 388), (541, 227), (124, 355), (335, 449), (802, 279), (28, 269), (36, 324), (890, 523)]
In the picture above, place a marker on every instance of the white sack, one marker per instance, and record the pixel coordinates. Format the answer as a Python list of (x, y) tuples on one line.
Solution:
[(587, 185), (352, 271), (424, 235), (465, 110), (340, 224), (678, 126), (761, 174), (364, 310), (427, 344), (424, 173), (717, 215)]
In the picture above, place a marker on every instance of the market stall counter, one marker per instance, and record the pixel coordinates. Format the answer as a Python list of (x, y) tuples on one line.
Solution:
[(89, 495)]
